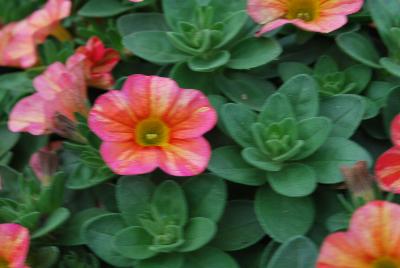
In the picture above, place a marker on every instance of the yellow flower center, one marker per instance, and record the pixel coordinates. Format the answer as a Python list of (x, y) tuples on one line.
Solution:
[(152, 132), (3, 263), (306, 10), (386, 263)]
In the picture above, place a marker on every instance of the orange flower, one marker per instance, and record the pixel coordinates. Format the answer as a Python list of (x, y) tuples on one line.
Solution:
[(312, 15), (98, 64), (14, 245), (60, 93), (153, 123), (372, 241)]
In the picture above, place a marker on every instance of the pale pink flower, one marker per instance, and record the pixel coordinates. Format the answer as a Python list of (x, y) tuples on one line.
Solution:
[(60, 93)]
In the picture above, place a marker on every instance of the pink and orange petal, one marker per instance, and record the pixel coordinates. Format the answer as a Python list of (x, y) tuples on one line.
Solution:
[(14, 245), (153, 123), (311, 15), (373, 236)]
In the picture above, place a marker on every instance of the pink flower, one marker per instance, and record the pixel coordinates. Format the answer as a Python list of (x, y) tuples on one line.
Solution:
[(312, 15), (46, 20), (373, 240), (153, 123), (18, 40), (387, 167), (17, 47), (44, 162), (60, 92), (14, 245), (136, 1), (98, 64)]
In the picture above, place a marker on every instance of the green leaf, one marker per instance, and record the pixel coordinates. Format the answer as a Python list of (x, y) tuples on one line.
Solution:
[(44, 257), (246, 89), (256, 158), (232, 26), (298, 252), (72, 233), (133, 197), (103, 8), (325, 65), (359, 48), (276, 108), (169, 202), (54, 221), (314, 132), (99, 234), (254, 52), (238, 228), (198, 232), (391, 66), (346, 113), (134, 242), (187, 78), (210, 62), (294, 180), (141, 22), (179, 10), (288, 70), (228, 163), (283, 217), (335, 153), (237, 119), (209, 257), (169, 260), (384, 19), (206, 196), (153, 46), (302, 93), (359, 74), (8, 139)]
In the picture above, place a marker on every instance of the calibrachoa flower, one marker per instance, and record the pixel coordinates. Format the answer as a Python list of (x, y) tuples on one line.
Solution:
[(18, 40), (14, 245), (44, 162), (312, 15), (98, 64), (60, 92), (153, 123), (372, 241), (46, 20), (387, 167)]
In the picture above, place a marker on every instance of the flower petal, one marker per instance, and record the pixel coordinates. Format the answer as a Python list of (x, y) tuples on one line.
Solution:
[(375, 229), (273, 25), (339, 250), (395, 130), (185, 157), (387, 170), (111, 117), (191, 115), (127, 158), (265, 11), (46, 19), (14, 244), (150, 96), (324, 24), (340, 7), (31, 115)]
